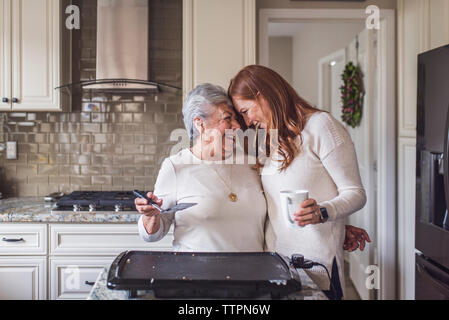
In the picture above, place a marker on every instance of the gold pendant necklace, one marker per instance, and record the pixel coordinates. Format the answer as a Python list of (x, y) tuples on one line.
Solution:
[(232, 196)]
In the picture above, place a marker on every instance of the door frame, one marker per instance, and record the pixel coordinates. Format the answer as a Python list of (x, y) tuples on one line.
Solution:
[(321, 66), (386, 237)]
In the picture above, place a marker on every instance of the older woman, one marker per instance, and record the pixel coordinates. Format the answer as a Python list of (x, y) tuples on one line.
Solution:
[(231, 211)]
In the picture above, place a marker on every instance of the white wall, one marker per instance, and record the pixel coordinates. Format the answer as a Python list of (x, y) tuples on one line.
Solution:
[(311, 43), (281, 56), (280, 4), (422, 25)]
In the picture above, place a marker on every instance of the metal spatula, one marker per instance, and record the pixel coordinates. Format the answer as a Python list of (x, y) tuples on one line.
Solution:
[(178, 207)]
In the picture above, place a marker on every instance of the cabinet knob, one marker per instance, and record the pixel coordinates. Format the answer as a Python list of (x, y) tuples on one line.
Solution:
[(15, 100), (89, 283), (5, 100)]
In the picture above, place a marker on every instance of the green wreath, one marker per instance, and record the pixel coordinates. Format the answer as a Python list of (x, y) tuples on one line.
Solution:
[(352, 94)]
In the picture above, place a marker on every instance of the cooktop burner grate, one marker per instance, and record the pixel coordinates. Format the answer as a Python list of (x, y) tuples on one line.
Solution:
[(89, 201)]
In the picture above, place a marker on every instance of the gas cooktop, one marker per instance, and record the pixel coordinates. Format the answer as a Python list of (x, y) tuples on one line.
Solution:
[(97, 201)]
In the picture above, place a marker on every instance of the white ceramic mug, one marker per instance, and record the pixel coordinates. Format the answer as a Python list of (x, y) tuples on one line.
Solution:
[(290, 201)]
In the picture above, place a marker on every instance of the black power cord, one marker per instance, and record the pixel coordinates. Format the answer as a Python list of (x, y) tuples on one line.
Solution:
[(298, 262)]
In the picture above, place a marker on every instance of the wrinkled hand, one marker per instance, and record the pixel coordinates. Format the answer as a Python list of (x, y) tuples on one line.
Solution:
[(150, 215), (308, 213), (354, 238), (144, 208)]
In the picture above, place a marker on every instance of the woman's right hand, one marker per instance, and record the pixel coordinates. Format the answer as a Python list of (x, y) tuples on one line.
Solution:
[(144, 208), (151, 216)]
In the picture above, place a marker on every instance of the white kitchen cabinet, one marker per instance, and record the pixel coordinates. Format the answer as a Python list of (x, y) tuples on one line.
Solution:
[(100, 240), (73, 277), (5, 54), (219, 39), (23, 239), (78, 253), (23, 278), (30, 55), (75, 253)]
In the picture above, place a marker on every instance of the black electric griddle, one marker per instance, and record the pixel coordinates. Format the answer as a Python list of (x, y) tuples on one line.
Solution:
[(204, 275)]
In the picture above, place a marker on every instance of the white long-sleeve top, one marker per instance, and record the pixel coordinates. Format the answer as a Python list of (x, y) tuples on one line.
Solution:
[(215, 224), (327, 167)]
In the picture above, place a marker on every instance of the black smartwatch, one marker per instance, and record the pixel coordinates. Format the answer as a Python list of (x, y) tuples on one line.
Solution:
[(324, 216)]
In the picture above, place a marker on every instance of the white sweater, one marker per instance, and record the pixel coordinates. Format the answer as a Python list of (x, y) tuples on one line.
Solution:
[(326, 166), (216, 224)]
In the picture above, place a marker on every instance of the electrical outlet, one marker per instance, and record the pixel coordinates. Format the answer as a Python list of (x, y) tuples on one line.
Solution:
[(11, 150)]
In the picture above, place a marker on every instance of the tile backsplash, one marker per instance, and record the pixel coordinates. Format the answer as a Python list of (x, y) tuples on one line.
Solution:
[(112, 141)]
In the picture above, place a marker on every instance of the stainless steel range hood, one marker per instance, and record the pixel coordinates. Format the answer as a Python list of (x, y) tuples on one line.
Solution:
[(122, 46)]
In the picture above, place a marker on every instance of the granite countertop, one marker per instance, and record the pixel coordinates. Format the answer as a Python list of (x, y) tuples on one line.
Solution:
[(100, 291), (33, 209)]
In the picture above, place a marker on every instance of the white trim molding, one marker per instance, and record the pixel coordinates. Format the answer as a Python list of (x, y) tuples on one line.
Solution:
[(386, 165), (249, 27), (323, 63), (386, 198), (187, 47), (406, 218), (412, 39)]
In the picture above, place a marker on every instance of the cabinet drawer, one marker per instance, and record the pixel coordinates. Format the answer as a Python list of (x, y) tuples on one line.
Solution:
[(23, 239), (101, 240), (73, 278)]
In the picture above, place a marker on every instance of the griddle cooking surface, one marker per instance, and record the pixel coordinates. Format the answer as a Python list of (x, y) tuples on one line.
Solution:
[(204, 275), (203, 266)]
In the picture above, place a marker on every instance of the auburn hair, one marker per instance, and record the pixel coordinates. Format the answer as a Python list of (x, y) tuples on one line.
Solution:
[(288, 111)]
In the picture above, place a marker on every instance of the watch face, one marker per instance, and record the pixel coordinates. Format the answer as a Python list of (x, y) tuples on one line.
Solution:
[(324, 213)]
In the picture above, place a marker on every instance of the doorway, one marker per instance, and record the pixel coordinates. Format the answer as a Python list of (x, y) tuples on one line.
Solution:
[(320, 43)]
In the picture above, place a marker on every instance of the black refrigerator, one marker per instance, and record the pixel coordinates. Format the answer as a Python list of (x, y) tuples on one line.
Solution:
[(432, 176)]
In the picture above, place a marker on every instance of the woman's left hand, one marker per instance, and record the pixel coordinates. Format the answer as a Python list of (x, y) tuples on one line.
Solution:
[(308, 213), (355, 238)]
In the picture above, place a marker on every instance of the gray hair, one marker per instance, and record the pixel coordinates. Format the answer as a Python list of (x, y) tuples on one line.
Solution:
[(201, 103)]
